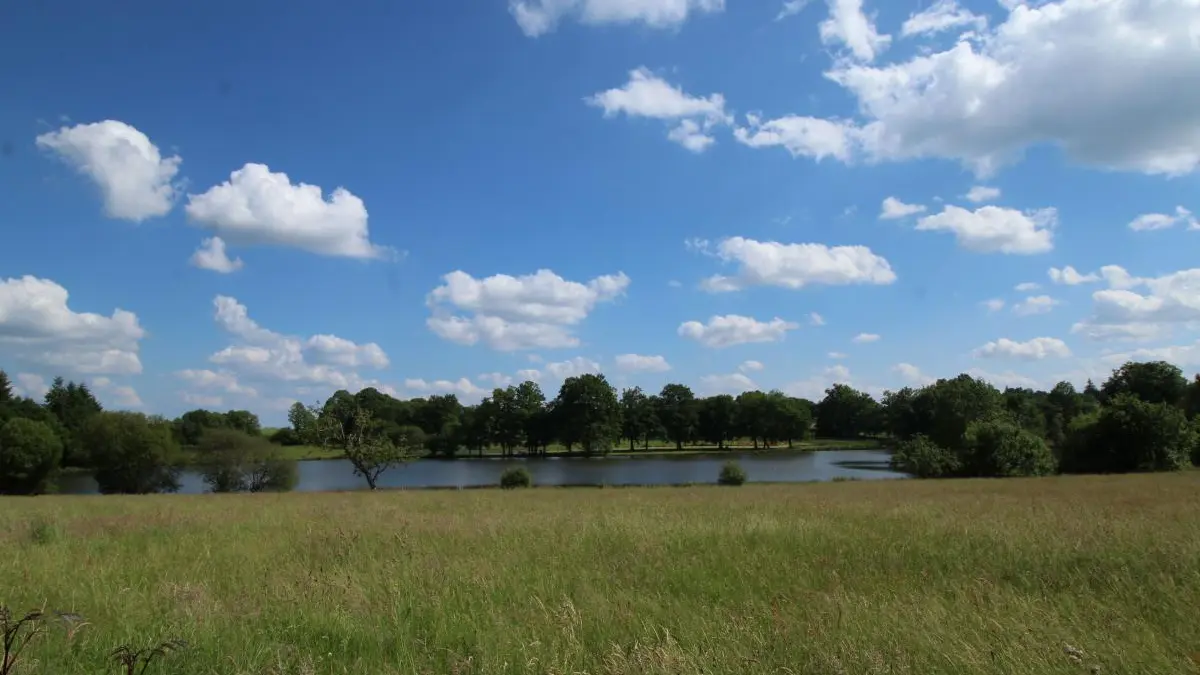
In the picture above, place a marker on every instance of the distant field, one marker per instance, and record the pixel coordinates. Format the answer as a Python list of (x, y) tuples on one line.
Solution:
[(915, 577)]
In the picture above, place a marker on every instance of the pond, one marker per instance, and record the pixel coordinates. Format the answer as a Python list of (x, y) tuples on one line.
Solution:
[(785, 467)]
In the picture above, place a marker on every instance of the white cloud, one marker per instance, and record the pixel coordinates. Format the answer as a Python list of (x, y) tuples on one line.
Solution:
[(1030, 350), (537, 17), (1070, 276), (201, 400), (511, 313), (1184, 356), (1006, 379), (993, 229), (117, 395), (837, 355), (262, 354), (462, 388), (210, 379), (912, 374), (732, 329), (1065, 73), (1026, 286), (994, 305), (637, 363), (942, 15), (211, 256), (797, 265), (575, 367), (1034, 304), (801, 136), (816, 319), (848, 26), (30, 385), (750, 366), (894, 208), (791, 8), (38, 327), (864, 338), (647, 95), (135, 181), (982, 193), (731, 383), (259, 207), (813, 388), (1162, 221), (1169, 302), (532, 374)]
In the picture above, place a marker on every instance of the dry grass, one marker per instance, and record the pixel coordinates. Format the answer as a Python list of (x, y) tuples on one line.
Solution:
[(871, 577)]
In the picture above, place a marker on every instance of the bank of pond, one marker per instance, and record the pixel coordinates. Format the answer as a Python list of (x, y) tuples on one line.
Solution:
[(692, 468)]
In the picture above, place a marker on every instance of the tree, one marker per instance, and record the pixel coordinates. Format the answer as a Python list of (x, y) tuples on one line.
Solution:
[(1151, 381), (30, 456), (6, 390), (243, 421), (948, 407), (846, 412), (753, 416), (301, 419), (921, 457), (678, 414), (717, 419), (531, 407), (131, 454), (589, 413), (635, 411), (997, 448), (1129, 434), (191, 425), (234, 461), (355, 433), (788, 419), (72, 405)]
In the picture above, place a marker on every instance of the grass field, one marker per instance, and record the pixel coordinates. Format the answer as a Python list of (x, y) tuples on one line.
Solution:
[(920, 577)]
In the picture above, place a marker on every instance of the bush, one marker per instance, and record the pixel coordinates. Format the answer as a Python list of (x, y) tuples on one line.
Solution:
[(234, 461), (732, 473), (30, 454), (286, 436), (998, 448), (132, 454), (1129, 435), (922, 458), (516, 477)]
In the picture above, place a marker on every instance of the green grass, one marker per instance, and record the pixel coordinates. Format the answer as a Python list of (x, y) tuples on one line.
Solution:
[(915, 577)]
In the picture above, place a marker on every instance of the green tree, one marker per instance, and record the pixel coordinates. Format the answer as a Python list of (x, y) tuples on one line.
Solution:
[(998, 448), (788, 419), (636, 415), (1127, 435), (948, 407), (30, 456), (1150, 381), (301, 419), (717, 419), (678, 414), (531, 409), (191, 425), (752, 415), (6, 390), (589, 413), (923, 458), (355, 433), (72, 405), (846, 412), (132, 454), (243, 421), (234, 461)]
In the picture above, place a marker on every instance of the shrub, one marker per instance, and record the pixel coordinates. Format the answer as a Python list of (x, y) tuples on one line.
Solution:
[(286, 436), (732, 473), (516, 477), (998, 448), (132, 454), (922, 458), (30, 454), (1129, 435), (235, 461)]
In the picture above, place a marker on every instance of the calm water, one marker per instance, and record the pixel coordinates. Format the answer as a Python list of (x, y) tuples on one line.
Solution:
[(780, 467)]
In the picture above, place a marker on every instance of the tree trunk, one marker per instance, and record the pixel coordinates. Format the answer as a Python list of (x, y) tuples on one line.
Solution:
[(631, 443), (678, 445)]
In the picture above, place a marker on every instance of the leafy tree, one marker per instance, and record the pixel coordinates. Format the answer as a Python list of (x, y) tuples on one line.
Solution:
[(30, 455), (923, 458), (950, 406), (846, 412), (1151, 381), (507, 426), (637, 416), (234, 461), (191, 425), (789, 419), (1129, 434), (531, 407), (678, 413), (589, 413), (301, 419), (997, 448), (72, 405), (356, 434), (132, 454), (475, 431), (6, 390), (243, 421), (753, 416), (717, 417)]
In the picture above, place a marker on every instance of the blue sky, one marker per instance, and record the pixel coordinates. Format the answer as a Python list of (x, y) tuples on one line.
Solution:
[(665, 161)]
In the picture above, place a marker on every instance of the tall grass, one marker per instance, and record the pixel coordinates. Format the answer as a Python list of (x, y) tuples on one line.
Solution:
[(1026, 577)]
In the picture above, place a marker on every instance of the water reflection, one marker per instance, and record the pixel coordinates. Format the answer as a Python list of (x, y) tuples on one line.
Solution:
[(825, 465)]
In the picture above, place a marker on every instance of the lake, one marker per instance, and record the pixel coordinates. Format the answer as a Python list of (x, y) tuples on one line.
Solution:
[(778, 467)]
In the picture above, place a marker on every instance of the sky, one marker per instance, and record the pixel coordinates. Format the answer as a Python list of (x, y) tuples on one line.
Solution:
[(230, 205)]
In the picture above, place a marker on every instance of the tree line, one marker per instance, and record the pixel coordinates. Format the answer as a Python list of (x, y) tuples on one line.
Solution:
[(1143, 418)]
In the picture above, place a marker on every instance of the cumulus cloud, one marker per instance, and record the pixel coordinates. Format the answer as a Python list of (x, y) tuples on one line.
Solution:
[(212, 256), (729, 383), (259, 207), (38, 327), (864, 338), (732, 329), (795, 266), (1034, 304), (509, 313), (816, 319), (791, 8), (1162, 221), (994, 305), (1026, 286), (464, 389), (1069, 276), (1165, 304), (911, 374), (837, 355), (993, 229), (561, 370), (538, 17), (941, 16), (979, 194), (1031, 350), (848, 26), (813, 388), (637, 363), (647, 95), (894, 208), (136, 182), (800, 135), (750, 366)]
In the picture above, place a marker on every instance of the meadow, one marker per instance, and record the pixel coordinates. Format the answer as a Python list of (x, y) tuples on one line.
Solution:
[(1095, 574)]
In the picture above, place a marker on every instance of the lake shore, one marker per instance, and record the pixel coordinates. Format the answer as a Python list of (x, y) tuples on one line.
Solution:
[(931, 577)]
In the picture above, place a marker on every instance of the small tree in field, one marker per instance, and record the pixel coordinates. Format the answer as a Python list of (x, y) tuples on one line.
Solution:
[(354, 432)]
